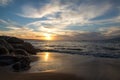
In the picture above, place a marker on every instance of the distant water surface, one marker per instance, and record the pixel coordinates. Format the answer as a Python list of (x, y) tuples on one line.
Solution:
[(94, 48)]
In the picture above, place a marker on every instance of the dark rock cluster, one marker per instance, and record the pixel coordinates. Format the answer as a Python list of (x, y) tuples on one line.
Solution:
[(15, 52)]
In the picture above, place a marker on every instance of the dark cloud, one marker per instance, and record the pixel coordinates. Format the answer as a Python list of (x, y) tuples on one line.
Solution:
[(83, 36)]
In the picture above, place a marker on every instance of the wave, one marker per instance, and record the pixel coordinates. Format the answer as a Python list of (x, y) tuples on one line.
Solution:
[(105, 55), (101, 49)]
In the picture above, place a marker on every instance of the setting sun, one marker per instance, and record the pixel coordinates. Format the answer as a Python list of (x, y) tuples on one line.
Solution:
[(48, 37)]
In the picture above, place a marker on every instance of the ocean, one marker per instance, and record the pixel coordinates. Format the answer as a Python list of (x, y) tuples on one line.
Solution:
[(110, 49)]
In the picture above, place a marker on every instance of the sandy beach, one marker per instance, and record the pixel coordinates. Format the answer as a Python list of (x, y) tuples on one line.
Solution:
[(37, 76), (60, 66)]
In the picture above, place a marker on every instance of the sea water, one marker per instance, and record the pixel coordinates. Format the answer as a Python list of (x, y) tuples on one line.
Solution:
[(91, 48)]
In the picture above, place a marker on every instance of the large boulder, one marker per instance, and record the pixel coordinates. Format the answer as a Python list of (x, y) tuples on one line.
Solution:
[(13, 43), (20, 52), (3, 51), (6, 60), (5, 44), (4, 37), (25, 46), (23, 64), (15, 52), (29, 48), (15, 40), (17, 63)]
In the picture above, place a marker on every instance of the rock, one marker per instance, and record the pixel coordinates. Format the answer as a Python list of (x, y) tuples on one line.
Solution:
[(17, 46), (10, 39), (20, 52), (6, 60), (6, 45), (13, 43), (15, 52), (18, 63), (3, 51), (29, 48), (25, 46), (23, 64), (4, 37), (15, 40)]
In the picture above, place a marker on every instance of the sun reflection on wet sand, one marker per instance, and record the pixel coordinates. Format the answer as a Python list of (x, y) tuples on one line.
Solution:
[(78, 65), (46, 56)]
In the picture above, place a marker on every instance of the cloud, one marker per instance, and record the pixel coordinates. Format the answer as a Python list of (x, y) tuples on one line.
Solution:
[(2, 21), (57, 16), (21, 33), (60, 34), (110, 32), (60, 16), (7, 23), (89, 36), (69, 13), (5, 2), (27, 32), (11, 27), (81, 35), (14, 29), (33, 12), (19, 28), (107, 21)]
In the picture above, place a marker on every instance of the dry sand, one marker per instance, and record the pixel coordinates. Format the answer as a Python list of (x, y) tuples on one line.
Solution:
[(38, 76)]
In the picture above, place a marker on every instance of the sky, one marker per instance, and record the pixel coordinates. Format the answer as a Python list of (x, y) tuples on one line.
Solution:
[(60, 19)]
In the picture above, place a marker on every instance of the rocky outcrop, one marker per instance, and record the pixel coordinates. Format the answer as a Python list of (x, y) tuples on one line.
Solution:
[(18, 63), (29, 48), (12, 43), (15, 40), (25, 46), (15, 52), (20, 52), (6, 45), (23, 64), (3, 51), (6, 60)]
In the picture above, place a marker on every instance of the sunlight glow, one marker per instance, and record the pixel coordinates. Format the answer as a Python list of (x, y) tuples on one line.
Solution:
[(48, 37)]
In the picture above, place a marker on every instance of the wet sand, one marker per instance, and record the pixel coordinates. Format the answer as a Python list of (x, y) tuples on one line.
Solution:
[(60, 66)]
